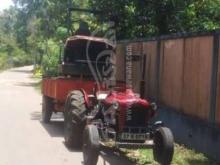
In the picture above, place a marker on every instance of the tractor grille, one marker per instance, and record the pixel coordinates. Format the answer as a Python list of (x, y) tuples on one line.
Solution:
[(135, 117)]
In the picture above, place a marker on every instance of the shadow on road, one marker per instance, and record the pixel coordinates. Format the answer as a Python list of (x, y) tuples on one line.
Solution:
[(36, 115), (111, 157), (24, 84), (70, 149), (21, 71), (56, 129)]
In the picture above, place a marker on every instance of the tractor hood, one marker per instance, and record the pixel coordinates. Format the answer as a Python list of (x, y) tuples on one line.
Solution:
[(132, 111), (125, 99)]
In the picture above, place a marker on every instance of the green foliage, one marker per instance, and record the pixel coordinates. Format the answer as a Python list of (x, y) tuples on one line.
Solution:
[(37, 71), (34, 28), (62, 33), (14, 57), (51, 59), (150, 18), (11, 55)]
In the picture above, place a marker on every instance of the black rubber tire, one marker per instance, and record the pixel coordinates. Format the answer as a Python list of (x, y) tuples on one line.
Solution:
[(91, 145), (163, 146), (74, 119), (47, 109)]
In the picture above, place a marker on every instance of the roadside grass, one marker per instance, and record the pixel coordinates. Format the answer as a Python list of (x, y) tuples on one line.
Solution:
[(37, 72), (182, 156)]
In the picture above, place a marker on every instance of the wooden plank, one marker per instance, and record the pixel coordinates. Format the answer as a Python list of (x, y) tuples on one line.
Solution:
[(171, 75), (218, 93), (120, 62), (197, 76), (150, 50), (137, 49), (214, 79)]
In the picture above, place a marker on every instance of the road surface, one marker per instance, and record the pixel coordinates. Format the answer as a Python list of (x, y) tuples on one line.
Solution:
[(25, 140)]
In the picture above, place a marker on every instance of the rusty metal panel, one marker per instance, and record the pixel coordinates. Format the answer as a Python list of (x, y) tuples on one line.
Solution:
[(150, 51), (58, 88), (137, 51), (120, 62), (171, 75), (197, 76)]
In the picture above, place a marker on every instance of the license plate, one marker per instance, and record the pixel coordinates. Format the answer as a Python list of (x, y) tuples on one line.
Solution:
[(132, 136)]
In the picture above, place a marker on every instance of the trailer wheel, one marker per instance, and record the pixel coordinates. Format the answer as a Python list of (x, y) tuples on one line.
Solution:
[(74, 119), (90, 145), (163, 146), (47, 109)]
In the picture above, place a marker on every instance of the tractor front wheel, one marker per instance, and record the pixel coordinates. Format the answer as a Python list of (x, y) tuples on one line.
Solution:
[(163, 146), (74, 119), (90, 145), (47, 109)]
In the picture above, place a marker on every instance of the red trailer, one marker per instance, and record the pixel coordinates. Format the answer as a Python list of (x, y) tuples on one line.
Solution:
[(75, 73)]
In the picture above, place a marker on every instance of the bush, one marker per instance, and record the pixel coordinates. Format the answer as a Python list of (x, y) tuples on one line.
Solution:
[(20, 58), (16, 58), (3, 62), (37, 71), (51, 59)]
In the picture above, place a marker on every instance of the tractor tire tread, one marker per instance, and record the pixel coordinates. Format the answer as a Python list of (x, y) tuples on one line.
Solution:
[(76, 115)]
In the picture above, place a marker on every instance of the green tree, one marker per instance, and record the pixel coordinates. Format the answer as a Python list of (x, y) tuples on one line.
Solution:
[(34, 26), (149, 18)]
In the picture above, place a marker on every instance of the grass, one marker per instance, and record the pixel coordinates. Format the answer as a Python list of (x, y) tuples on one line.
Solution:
[(182, 156)]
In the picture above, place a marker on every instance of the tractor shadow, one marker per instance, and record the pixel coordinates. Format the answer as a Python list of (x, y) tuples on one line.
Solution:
[(71, 149), (28, 84), (54, 127), (21, 71), (110, 157)]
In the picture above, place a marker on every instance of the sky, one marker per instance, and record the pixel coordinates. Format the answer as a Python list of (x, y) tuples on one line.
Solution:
[(4, 4)]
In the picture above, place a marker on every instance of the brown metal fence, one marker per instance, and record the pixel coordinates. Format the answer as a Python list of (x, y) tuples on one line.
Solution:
[(182, 72)]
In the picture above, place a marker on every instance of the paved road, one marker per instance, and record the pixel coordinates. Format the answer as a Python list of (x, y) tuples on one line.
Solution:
[(24, 139)]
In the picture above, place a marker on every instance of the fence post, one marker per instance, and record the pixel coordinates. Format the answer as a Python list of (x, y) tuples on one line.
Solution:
[(214, 78), (158, 70)]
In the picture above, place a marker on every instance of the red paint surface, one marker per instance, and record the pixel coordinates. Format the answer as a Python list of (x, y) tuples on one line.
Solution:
[(125, 100), (58, 88)]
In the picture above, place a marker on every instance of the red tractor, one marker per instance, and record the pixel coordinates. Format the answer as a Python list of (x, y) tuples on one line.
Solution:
[(94, 115)]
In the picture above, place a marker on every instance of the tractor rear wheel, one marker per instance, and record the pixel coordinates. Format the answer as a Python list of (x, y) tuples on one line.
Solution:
[(47, 108), (90, 145), (163, 146), (74, 119)]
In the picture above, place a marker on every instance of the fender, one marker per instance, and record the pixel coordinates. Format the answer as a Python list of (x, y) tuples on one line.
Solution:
[(86, 97)]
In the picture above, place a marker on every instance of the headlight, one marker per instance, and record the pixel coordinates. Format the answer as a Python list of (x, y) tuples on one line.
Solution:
[(154, 106), (115, 105)]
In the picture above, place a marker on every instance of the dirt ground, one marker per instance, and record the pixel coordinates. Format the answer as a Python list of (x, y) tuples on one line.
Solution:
[(25, 140)]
